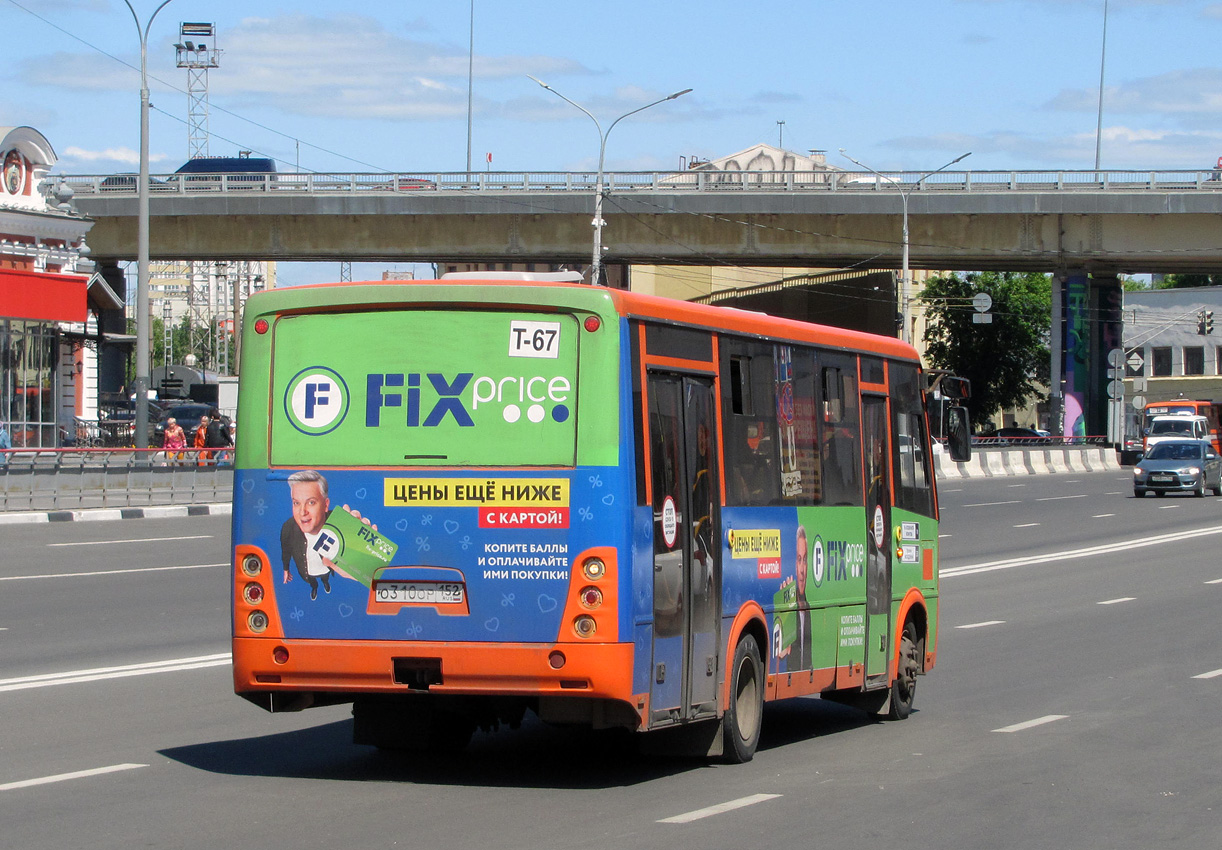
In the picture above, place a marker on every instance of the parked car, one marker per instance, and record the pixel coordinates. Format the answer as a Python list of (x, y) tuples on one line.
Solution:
[(1178, 466), (1013, 436)]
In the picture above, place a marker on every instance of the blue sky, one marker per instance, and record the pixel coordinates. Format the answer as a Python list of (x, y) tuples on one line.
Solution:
[(368, 86)]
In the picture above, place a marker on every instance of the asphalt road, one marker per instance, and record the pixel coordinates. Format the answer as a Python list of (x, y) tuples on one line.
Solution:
[(1075, 705)]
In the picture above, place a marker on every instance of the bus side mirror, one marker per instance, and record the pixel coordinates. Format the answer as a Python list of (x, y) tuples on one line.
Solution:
[(955, 388), (958, 436)]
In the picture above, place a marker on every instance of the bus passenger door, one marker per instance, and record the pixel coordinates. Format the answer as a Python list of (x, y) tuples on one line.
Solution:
[(686, 546), (879, 542)]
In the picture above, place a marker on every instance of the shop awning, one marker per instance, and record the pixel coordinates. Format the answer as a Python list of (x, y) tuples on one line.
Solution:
[(42, 297)]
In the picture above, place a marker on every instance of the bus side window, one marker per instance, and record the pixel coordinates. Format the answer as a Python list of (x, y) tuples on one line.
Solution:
[(912, 462), (752, 469), (841, 431)]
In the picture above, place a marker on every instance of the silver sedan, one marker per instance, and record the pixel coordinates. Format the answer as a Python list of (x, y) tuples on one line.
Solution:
[(1179, 466)]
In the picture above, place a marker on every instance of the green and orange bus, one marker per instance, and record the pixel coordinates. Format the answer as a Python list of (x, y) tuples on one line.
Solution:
[(457, 501)]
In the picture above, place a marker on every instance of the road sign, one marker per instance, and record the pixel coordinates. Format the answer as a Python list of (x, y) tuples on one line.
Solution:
[(982, 302), (1139, 401), (1136, 363)]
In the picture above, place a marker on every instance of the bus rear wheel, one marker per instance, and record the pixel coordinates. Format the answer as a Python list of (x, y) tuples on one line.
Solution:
[(903, 689), (745, 714)]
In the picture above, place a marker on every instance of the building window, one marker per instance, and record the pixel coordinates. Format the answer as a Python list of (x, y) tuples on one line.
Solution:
[(1194, 360), (1161, 365), (29, 353)]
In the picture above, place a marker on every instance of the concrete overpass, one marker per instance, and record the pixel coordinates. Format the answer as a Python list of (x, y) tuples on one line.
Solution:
[(1101, 222)]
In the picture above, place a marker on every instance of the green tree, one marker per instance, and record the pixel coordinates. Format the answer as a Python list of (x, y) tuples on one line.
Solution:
[(1182, 281), (1006, 360)]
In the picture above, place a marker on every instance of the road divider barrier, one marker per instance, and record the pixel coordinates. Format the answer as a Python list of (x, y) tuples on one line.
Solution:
[(1001, 463)]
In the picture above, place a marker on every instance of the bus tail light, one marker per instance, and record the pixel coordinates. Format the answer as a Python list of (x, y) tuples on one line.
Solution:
[(592, 606), (593, 568), (280, 655), (254, 594)]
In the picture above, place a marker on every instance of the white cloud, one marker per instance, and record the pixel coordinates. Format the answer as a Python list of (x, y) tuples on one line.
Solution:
[(119, 157), (352, 67), (1190, 97), (1122, 147)]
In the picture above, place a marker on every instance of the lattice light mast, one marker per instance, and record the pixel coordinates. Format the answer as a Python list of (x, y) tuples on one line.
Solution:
[(197, 57)]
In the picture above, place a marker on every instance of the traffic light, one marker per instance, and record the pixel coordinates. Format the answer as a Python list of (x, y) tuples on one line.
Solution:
[(1201, 322), (1209, 321)]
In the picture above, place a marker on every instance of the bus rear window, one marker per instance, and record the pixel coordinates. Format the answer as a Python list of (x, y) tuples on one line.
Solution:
[(424, 388)]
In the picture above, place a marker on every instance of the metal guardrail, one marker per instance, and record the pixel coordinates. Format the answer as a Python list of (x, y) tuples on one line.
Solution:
[(63, 479), (418, 183), (1037, 442)]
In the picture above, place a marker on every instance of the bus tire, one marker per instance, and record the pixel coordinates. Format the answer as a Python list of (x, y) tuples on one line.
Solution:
[(903, 689), (744, 716)]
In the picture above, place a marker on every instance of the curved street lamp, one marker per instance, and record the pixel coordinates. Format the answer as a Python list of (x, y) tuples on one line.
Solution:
[(596, 263), (142, 238), (905, 332)]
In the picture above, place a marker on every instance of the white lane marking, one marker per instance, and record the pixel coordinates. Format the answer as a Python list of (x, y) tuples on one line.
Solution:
[(1107, 549), (1101, 516), (1016, 485), (1060, 498), (1167, 507), (64, 777), (720, 808), (1039, 721), (1027, 525), (97, 674), (991, 504), (1212, 674), (1117, 601), (981, 625), (134, 540), (113, 572), (1214, 581)]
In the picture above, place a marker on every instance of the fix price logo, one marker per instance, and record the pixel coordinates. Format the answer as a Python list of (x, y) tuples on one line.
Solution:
[(316, 400)]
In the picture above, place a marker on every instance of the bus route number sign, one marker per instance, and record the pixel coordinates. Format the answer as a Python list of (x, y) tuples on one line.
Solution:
[(534, 339)]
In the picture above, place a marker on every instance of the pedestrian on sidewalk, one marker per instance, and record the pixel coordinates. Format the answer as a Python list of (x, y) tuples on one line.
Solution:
[(217, 436), (175, 440), (200, 440)]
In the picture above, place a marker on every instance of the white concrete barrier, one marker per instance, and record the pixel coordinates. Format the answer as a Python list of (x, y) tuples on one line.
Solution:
[(1001, 464)]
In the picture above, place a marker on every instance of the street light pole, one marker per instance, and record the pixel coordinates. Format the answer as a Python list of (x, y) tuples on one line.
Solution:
[(142, 239), (597, 260), (1102, 66), (905, 331)]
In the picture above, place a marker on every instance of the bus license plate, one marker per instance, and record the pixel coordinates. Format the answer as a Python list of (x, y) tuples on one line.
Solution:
[(427, 592)]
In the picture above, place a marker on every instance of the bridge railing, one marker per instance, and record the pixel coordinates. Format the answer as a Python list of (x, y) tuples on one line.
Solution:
[(696, 180)]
